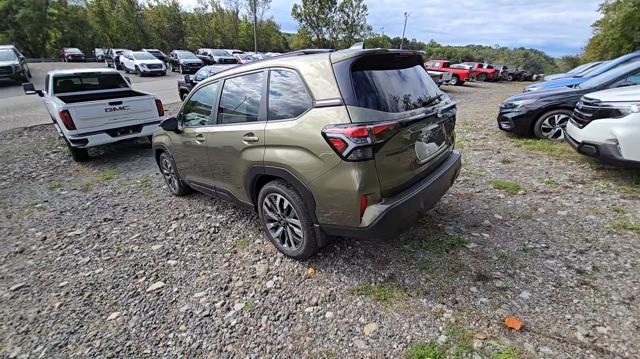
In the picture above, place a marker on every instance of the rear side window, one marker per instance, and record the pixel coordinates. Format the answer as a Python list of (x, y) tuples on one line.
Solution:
[(288, 96), (88, 82), (391, 83), (240, 101)]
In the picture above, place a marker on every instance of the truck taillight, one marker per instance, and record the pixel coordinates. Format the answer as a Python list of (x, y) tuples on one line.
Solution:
[(66, 119), (356, 142), (160, 107)]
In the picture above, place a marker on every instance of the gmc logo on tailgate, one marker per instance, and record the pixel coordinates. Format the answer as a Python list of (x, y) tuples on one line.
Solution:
[(116, 109)]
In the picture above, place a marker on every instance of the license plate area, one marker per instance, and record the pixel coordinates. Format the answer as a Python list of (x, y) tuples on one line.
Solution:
[(432, 141)]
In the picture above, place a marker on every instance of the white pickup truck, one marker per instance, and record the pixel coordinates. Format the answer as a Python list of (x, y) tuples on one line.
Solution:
[(92, 107)]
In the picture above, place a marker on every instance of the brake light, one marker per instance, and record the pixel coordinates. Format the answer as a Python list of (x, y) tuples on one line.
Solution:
[(357, 142), (65, 116), (160, 108)]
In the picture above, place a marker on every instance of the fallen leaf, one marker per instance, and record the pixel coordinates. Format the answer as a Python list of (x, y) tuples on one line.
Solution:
[(370, 328), (310, 271), (481, 336), (440, 227), (512, 322)]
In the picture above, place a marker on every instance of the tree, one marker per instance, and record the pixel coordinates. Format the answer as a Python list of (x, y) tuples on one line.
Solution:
[(317, 18), (352, 22), (617, 32)]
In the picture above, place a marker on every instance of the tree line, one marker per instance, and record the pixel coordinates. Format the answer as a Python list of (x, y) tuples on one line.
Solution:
[(40, 28)]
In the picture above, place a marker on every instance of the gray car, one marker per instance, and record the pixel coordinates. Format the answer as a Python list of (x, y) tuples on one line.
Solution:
[(13, 65)]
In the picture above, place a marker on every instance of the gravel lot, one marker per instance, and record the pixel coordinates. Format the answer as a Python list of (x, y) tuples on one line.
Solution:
[(98, 260)]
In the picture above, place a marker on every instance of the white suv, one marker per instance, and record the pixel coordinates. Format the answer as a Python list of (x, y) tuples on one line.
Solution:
[(142, 63), (606, 125)]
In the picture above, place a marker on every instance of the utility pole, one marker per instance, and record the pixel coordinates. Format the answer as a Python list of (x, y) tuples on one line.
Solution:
[(406, 15), (255, 24)]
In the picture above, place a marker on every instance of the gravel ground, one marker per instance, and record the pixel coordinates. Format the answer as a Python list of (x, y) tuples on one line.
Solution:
[(98, 260)]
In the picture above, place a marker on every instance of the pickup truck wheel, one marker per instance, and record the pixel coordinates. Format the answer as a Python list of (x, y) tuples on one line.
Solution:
[(510, 78), (482, 77), (286, 220), (454, 81), (25, 77), (171, 177), (78, 154)]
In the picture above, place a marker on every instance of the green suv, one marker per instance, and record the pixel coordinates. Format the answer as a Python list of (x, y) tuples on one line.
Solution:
[(353, 143)]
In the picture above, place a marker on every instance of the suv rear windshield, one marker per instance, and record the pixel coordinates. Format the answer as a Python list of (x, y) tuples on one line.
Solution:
[(87, 82), (391, 83)]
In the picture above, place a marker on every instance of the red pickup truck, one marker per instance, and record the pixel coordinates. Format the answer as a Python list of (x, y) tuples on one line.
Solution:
[(486, 72), (458, 75)]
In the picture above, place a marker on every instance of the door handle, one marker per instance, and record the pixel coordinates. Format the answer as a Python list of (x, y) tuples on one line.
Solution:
[(250, 137), (200, 138)]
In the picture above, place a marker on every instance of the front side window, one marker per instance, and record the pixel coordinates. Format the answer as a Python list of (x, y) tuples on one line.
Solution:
[(631, 80), (197, 110), (240, 101), (288, 96)]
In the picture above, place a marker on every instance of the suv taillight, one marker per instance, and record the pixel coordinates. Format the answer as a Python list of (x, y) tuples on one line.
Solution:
[(160, 108), (357, 142), (65, 116)]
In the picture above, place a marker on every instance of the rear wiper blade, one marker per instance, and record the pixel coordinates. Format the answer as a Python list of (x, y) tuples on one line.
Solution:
[(432, 100)]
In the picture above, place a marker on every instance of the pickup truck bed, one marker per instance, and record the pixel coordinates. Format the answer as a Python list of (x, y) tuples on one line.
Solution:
[(99, 96)]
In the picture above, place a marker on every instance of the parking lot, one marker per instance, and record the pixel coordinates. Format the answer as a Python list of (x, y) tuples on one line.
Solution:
[(98, 257), (18, 110)]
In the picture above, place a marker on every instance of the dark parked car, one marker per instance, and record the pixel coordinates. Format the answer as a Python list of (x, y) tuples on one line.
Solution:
[(13, 66), (545, 114), (72, 54), (99, 54), (215, 56), (184, 62), (186, 84), (112, 58), (158, 54)]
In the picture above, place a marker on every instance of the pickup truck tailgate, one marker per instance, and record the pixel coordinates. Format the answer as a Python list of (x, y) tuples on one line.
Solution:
[(113, 113)]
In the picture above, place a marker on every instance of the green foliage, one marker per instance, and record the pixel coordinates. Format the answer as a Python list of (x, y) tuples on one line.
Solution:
[(617, 32), (430, 350), (507, 186), (384, 293)]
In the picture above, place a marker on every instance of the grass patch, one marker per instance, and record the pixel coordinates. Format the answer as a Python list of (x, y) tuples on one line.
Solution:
[(475, 173), (249, 307), (550, 182), (507, 186), (54, 186), (506, 161), (505, 351), (443, 244), (241, 244), (147, 192), (553, 148), (619, 210), (384, 293), (460, 340), (624, 224), (429, 350), (107, 175), (142, 182)]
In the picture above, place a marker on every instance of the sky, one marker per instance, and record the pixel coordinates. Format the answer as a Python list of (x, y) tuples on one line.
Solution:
[(558, 27)]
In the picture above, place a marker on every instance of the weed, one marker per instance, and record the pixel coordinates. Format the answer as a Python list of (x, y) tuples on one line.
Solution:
[(506, 161), (383, 293), (624, 224), (507, 186), (86, 187), (249, 307), (553, 148), (477, 173), (54, 186), (460, 340), (619, 210), (505, 351), (107, 175), (429, 350), (147, 192), (241, 244), (141, 182), (550, 182)]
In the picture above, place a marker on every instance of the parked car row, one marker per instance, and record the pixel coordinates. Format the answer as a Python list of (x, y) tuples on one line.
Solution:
[(593, 109), (476, 71)]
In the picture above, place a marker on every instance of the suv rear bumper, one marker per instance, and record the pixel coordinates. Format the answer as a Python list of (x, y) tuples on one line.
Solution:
[(399, 212)]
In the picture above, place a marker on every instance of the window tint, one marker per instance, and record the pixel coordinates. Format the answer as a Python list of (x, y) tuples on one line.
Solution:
[(88, 82), (391, 85), (197, 110), (288, 97), (241, 98), (631, 80)]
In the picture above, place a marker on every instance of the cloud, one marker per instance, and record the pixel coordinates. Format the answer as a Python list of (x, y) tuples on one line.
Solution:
[(559, 27)]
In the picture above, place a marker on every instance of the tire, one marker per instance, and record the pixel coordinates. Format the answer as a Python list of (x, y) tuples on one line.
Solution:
[(164, 73), (482, 77), (78, 154), (551, 125), (510, 78), (29, 73), (282, 210), (25, 77), (169, 171), (183, 95), (455, 81), (461, 83)]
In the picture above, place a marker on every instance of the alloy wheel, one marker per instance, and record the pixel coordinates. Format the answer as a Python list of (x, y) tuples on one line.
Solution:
[(282, 221), (553, 126), (169, 173)]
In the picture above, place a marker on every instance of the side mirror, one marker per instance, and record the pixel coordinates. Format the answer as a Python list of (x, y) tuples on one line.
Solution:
[(128, 79), (170, 124), (29, 89), (187, 78)]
